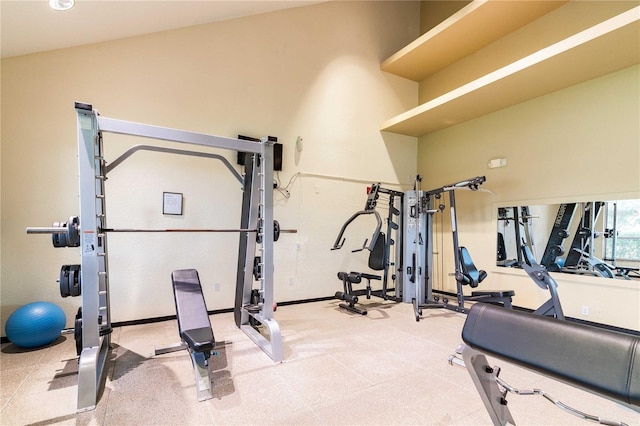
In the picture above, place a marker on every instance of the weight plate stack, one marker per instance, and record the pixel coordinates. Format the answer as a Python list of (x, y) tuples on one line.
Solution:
[(69, 239), (70, 281)]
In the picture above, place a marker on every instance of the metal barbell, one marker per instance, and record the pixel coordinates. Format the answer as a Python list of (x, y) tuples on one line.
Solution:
[(63, 234), (67, 234)]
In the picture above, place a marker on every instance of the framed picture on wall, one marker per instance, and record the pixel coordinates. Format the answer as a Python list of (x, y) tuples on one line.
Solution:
[(172, 203)]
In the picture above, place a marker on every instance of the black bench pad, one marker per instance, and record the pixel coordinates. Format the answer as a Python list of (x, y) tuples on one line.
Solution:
[(193, 319), (597, 360), (199, 339), (370, 276)]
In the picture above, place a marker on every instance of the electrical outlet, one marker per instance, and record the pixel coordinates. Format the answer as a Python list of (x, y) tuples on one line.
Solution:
[(216, 287), (291, 281), (298, 246), (585, 311)]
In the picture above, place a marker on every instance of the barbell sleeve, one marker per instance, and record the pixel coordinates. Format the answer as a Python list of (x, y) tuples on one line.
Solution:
[(47, 230)]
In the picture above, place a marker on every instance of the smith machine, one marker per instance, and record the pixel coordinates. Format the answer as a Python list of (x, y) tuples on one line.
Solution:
[(89, 230)]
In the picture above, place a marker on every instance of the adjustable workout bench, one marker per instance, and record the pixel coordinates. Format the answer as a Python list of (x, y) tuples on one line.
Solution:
[(606, 363), (194, 327)]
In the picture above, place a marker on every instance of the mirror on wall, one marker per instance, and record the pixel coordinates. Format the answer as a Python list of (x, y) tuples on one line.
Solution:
[(593, 238)]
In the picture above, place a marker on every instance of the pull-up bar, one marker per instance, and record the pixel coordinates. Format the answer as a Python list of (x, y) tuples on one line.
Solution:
[(128, 153), (174, 135)]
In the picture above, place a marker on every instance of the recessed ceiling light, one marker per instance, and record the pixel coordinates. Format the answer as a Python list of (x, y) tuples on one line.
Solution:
[(61, 4)]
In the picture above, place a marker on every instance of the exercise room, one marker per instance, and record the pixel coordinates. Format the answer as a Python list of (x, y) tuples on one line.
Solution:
[(320, 212)]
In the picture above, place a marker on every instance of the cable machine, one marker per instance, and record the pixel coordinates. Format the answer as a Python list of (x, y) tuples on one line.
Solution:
[(89, 230), (419, 251), (412, 222), (465, 271), (385, 252)]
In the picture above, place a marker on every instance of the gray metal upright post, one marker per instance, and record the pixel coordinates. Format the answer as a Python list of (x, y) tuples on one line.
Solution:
[(257, 210), (247, 243), (428, 253), (94, 274), (399, 261), (266, 209)]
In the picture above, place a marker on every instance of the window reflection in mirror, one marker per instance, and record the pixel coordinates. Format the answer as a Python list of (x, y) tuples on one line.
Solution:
[(597, 238)]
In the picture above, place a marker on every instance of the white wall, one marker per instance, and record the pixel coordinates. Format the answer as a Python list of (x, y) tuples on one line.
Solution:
[(311, 72), (577, 144)]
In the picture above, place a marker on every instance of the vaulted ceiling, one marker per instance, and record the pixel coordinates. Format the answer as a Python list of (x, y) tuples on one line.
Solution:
[(30, 26)]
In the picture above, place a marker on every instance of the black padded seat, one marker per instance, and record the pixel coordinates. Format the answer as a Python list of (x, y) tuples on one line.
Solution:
[(370, 276), (601, 361), (378, 254), (193, 319), (470, 274)]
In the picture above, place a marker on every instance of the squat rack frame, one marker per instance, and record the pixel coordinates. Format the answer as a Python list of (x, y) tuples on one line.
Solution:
[(257, 217)]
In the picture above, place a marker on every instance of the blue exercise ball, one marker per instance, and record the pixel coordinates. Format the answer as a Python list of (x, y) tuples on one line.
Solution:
[(35, 324)]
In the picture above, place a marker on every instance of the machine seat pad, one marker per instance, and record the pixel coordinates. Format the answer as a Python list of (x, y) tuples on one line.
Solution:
[(601, 361), (368, 276), (199, 339), (502, 293)]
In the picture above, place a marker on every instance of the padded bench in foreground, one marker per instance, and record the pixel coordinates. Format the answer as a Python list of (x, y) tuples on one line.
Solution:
[(603, 362)]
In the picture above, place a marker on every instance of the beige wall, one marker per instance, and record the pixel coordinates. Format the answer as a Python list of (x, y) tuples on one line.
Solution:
[(311, 72), (578, 144)]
